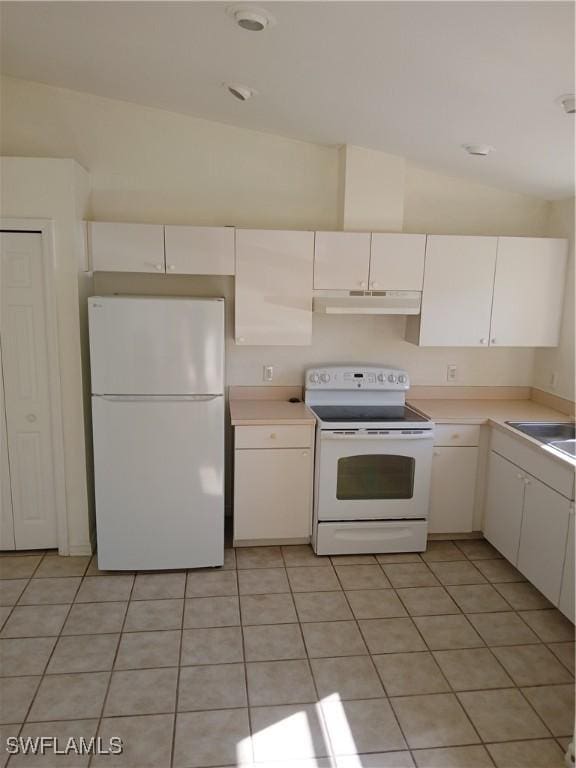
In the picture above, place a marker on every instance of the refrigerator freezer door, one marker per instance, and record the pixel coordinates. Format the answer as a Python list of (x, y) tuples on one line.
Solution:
[(154, 346), (159, 472)]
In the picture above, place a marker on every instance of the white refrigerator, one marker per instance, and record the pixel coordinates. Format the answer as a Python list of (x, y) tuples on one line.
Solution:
[(157, 371)]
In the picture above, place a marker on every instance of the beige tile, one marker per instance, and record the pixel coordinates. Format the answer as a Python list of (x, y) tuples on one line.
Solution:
[(215, 738), (405, 674), (273, 642), (84, 653), (391, 635), (362, 726), (333, 638), (4, 613), (502, 628), (139, 650), (221, 686), (17, 695), (95, 618), (544, 753), (375, 603), (478, 549), (522, 596), (10, 590), (220, 645), (377, 760), (399, 557), (410, 575), (453, 757), (279, 682), (564, 652), (353, 559), (159, 586), (56, 566), (18, 566), (259, 557), (211, 612), (502, 715), (313, 579), (435, 720), (499, 571), (472, 669), (458, 572), (295, 732), (63, 731), (35, 621), (142, 692), (146, 615), (448, 632), (302, 554), (550, 626), (267, 609), (555, 705), (96, 589), (211, 584), (362, 577), (322, 606), (532, 665), (229, 559), (49, 591), (263, 581), (439, 551), (478, 598), (147, 741), (427, 601), (25, 655), (7, 731), (348, 677), (67, 697)]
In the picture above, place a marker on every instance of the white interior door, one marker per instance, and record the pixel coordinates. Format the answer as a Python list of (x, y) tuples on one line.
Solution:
[(6, 515), (27, 390)]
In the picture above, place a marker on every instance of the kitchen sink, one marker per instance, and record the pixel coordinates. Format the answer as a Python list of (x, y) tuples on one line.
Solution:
[(558, 435)]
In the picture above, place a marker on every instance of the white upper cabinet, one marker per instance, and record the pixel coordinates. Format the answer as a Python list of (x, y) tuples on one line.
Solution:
[(342, 261), (126, 247), (274, 271), (199, 250), (397, 261), (528, 291), (457, 291)]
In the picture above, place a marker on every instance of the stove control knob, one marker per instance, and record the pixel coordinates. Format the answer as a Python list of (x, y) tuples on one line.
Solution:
[(314, 378), (392, 378), (381, 378), (324, 378), (402, 379)]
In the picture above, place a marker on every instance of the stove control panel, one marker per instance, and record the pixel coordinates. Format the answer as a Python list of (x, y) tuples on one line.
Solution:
[(354, 378)]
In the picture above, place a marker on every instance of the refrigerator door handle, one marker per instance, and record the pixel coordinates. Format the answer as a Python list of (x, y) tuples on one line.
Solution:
[(157, 398)]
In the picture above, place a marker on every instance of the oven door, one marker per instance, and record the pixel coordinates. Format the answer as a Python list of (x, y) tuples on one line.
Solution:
[(373, 474)]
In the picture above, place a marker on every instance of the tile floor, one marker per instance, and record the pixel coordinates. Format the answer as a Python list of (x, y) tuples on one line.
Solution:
[(445, 660)]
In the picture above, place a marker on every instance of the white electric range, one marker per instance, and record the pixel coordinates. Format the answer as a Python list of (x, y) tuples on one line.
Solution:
[(373, 461)]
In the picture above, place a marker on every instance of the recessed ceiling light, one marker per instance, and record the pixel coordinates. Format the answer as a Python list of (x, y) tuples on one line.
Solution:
[(480, 150), (251, 18), (240, 92), (568, 103)]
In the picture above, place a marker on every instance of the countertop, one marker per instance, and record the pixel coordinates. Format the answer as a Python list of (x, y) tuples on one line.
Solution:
[(262, 412)]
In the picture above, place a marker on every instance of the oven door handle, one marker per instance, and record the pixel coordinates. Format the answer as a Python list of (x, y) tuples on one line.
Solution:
[(424, 435)]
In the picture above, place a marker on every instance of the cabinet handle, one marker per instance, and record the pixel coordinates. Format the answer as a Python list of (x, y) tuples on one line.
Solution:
[(31, 418), (493, 340), (304, 453), (272, 435), (374, 284), (527, 481), (362, 284), (158, 267), (240, 339), (482, 341), (520, 477), (171, 267), (436, 453)]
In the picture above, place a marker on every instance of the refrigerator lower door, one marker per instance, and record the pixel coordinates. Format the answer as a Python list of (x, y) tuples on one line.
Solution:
[(159, 476)]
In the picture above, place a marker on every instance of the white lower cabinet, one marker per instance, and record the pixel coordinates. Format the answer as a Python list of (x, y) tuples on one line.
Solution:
[(504, 503), (452, 490), (566, 603)]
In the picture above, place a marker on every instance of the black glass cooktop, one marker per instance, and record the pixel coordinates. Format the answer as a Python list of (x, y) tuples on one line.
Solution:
[(366, 413)]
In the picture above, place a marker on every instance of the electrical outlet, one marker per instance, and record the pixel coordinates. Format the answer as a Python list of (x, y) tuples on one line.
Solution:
[(451, 373), (267, 373)]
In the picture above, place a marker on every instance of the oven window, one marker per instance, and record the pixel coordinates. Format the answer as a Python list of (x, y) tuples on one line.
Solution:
[(375, 476)]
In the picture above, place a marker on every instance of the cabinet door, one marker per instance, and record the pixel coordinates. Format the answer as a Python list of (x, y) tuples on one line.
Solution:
[(528, 292), (272, 494), (457, 291), (274, 287), (566, 604), (397, 261), (199, 250), (543, 537), (504, 503), (452, 490), (126, 247), (342, 260), (6, 514)]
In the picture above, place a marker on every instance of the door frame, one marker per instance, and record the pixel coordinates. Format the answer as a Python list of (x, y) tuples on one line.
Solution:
[(45, 227)]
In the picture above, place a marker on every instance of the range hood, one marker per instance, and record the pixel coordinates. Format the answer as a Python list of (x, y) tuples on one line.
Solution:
[(367, 302)]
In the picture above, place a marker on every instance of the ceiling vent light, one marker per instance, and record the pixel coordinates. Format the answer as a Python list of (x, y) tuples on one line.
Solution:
[(479, 150), (250, 18), (568, 103), (240, 92)]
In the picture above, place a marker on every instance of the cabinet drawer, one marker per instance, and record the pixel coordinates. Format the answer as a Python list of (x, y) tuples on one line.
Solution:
[(457, 434), (274, 436)]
